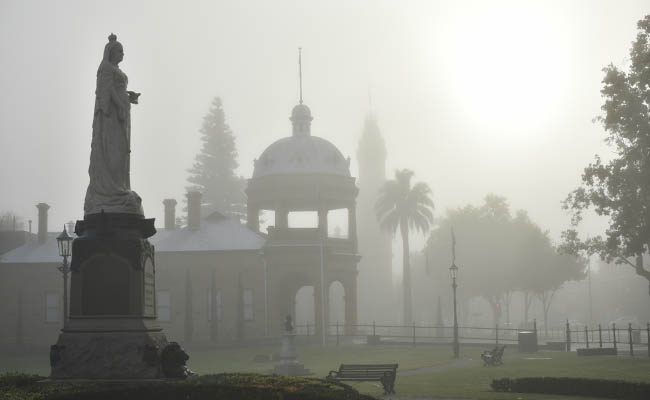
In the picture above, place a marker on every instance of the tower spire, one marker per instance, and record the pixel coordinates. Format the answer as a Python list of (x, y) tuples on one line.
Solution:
[(300, 71)]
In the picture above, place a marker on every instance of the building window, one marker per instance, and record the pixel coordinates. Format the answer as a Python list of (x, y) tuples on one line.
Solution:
[(163, 305), (248, 304), (52, 307), (217, 302)]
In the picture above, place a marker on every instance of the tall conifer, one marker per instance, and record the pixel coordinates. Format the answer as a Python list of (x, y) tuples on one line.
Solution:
[(213, 172)]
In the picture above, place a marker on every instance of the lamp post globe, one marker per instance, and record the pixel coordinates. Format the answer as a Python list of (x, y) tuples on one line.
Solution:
[(65, 247), (64, 240), (453, 271)]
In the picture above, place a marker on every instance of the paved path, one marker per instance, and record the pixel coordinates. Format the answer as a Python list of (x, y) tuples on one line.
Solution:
[(455, 364), (394, 397), (424, 370)]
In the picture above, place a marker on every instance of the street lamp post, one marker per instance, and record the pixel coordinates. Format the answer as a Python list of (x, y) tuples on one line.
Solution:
[(64, 240), (453, 271)]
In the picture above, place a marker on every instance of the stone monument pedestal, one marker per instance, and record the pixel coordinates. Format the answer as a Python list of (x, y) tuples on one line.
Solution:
[(108, 349), (289, 364), (112, 332)]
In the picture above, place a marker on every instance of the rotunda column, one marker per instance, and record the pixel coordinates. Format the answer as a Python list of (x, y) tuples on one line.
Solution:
[(321, 301), (281, 217), (350, 300), (352, 226), (253, 217), (322, 221)]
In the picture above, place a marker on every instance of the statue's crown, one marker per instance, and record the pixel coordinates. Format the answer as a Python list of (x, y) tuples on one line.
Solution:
[(112, 37)]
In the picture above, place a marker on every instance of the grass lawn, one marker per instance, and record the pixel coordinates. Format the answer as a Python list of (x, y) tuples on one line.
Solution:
[(446, 378)]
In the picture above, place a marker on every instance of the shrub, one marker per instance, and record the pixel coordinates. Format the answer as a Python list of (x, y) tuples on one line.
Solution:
[(207, 387), (17, 379), (574, 387)]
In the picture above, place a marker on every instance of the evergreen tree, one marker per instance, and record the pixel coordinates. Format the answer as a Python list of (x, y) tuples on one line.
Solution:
[(213, 172)]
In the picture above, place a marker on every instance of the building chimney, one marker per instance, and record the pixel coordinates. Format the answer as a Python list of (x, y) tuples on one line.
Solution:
[(170, 213), (42, 221), (194, 209)]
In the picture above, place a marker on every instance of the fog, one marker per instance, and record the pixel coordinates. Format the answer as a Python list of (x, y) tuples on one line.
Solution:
[(475, 99), (492, 104)]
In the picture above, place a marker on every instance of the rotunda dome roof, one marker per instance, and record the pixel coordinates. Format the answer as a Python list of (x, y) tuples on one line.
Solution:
[(301, 155)]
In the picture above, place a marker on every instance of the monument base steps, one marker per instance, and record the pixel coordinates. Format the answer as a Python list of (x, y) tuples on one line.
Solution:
[(128, 350)]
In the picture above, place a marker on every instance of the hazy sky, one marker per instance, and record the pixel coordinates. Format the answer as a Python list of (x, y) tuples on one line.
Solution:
[(475, 97)]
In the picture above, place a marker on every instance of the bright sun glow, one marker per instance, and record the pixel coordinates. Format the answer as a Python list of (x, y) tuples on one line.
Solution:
[(506, 64)]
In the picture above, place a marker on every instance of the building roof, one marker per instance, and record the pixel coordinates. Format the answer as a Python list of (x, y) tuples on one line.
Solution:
[(35, 252), (214, 234), (301, 155)]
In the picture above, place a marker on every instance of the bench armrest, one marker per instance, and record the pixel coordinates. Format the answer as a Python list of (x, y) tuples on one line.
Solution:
[(332, 375)]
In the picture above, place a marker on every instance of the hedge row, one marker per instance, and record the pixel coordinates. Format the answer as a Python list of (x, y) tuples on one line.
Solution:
[(207, 387), (575, 387)]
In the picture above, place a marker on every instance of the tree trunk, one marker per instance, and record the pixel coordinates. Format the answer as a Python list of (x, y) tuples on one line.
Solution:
[(213, 308), (642, 271), (528, 299), (493, 301), (546, 298), (507, 299), (543, 299), (406, 272)]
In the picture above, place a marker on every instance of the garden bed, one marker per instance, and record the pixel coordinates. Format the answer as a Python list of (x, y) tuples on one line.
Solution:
[(206, 387), (612, 389)]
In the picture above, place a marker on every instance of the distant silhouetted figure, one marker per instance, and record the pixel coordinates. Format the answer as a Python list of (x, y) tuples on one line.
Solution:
[(288, 324)]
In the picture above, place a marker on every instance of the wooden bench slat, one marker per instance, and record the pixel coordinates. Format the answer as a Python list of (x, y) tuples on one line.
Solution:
[(384, 373), (368, 366)]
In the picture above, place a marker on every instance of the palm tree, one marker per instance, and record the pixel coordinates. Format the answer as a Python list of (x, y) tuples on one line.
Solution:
[(409, 208)]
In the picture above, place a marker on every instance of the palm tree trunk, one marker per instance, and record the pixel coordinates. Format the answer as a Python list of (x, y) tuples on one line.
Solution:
[(406, 272)]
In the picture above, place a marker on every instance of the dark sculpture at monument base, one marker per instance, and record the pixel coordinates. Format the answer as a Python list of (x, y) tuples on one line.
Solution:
[(112, 332)]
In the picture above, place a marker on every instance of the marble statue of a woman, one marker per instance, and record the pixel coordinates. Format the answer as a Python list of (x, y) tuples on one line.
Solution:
[(110, 187)]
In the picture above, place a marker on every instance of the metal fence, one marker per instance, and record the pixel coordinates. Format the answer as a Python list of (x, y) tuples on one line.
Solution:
[(567, 338)]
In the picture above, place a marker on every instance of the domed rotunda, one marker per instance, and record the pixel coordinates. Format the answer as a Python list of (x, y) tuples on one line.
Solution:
[(305, 174)]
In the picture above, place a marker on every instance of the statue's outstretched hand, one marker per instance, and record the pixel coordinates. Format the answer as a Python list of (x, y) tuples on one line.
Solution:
[(133, 97)]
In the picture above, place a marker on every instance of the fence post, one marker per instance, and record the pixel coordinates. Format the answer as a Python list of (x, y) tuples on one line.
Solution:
[(587, 336), (614, 330), (600, 336), (413, 333), (337, 332), (629, 330), (535, 329), (497, 333), (648, 329), (373, 327), (568, 336), (609, 334)]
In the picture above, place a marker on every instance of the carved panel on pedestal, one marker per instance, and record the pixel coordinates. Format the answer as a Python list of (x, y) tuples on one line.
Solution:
[(149, 288), (106, 282)]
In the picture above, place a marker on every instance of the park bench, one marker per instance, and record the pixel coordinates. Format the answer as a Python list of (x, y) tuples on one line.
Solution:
[(494, 356), (384, 373)]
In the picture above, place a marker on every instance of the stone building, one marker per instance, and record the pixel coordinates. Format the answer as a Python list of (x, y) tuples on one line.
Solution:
[(217, 281), (213, 263), (31, 290)]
